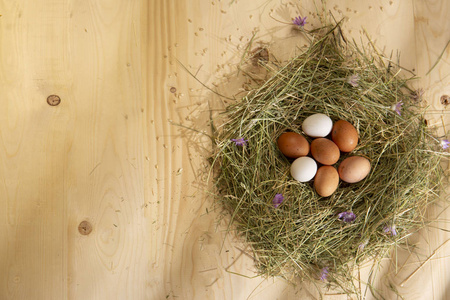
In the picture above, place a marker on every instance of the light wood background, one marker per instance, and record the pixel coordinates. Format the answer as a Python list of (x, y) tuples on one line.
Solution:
[(110, 155)]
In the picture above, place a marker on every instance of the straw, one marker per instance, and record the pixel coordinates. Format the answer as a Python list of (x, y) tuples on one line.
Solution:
[(303, 235)]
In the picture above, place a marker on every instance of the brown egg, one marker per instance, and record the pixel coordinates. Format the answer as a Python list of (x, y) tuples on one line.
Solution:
[(354, 169), (326, 180), (325, 151), (344, 135), (293, 145)]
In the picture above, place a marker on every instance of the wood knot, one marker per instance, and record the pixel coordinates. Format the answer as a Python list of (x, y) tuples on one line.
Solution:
[(85, 228), (260, 56), (53, 100), (445, 100)]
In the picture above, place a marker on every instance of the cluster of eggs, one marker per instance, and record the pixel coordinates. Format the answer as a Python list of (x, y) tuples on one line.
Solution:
[(324, 151)]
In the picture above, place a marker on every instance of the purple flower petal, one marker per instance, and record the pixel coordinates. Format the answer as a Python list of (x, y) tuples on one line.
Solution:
[(347, 216), (390, 229), (240, 141), (299, 21), (394, 232), (398, 108), (277, 200), (324, 274), (445, 144), (353, 80), (363, 244)]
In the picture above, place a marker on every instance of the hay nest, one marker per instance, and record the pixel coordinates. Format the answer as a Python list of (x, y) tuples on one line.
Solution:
[(303, 237)]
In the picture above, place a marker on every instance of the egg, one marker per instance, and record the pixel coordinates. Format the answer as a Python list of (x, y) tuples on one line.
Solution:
[(326, 181), (303, 169), (354, 169), (293, 145), (325, 151), (317, 125), (344, 135)]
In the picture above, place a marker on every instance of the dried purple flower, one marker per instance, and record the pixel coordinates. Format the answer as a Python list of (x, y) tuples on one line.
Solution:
[(240, 141), (277, 200), (353, 80), (324, 274), (299, 21), (347, 216), (398, 107), (390, 229), (417, 95), (445, 144), (363, 244)]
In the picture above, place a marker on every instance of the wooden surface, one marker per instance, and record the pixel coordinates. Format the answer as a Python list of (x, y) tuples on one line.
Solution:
[(110, 155)]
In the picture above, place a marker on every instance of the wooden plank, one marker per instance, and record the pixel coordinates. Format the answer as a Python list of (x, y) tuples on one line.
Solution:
[(208, 38), (186, 260), (81, 160), (34, 144), (432, 30), (105, 171)]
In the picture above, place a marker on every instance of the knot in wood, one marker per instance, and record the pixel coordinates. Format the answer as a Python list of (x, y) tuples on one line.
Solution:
[(445, 100), (85, 228), (53, 100)]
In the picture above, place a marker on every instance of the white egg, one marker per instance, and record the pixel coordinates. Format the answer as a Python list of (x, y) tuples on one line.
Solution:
[(317, 125), (304, 169)]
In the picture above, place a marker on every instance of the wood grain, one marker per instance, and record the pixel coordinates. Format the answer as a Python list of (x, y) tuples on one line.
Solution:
[(34, 143), (81, 160), (113, 153), (105, 183), (432, 30)]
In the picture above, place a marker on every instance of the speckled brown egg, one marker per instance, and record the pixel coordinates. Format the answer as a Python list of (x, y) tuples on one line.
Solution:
[(293, 145), (325, 151), (344, 135), (326, 181), (354, 169)]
